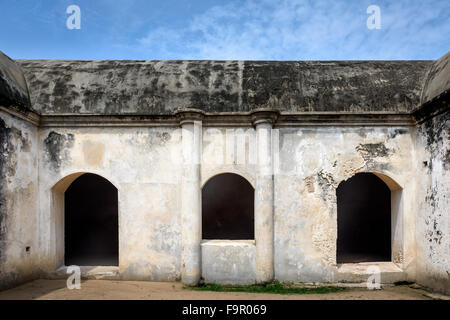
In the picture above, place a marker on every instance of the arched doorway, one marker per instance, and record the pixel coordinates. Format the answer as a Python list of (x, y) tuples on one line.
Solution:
[(364, 219), (91, 222), (228, 208)]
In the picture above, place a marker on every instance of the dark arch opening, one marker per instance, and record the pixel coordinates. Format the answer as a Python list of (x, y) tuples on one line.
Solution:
[(228, 208), (91, 222), (364, 220)]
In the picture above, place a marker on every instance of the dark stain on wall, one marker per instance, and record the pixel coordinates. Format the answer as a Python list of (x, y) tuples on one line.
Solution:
[(446, 159), (162, 137), (433, 234), (334, 85), (397, 132), (372, 150), (132, 87), (56, 145), (3, 164), (327, 186), (8, 164), (435, 132)]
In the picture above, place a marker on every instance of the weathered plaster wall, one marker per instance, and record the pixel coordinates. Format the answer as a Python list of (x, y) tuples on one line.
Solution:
[(311, 164), (228, 262), (139, 162), (230, 150), (355, 86), (433, 180), (143, 163), (433, 220), (161, 87), (19, 246)]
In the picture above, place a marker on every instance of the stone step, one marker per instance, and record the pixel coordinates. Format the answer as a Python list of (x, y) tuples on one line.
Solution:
[(89, 273), (360, 272)]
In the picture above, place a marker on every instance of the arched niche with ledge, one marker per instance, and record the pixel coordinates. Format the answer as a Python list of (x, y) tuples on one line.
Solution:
[(228, 208), (228, 256)]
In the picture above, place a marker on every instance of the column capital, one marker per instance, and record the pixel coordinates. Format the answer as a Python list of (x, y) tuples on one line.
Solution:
[(263, 115), (189, 115)]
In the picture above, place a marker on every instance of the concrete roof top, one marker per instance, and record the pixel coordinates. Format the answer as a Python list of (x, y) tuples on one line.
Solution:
[(161, 87)]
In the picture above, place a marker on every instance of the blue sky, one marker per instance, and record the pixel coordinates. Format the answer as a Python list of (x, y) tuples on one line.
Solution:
[(231, 29)]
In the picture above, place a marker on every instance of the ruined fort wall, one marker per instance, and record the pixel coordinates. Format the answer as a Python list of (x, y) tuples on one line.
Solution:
[(433, 227), (19, 246), (309, 164), (313, 161), (433, 181), (138, 162), (229, 150), (116, 119)]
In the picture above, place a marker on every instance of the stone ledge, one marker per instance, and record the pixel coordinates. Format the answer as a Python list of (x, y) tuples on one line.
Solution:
[(229, 243), (89, 273), (232, 120), (358, 272)]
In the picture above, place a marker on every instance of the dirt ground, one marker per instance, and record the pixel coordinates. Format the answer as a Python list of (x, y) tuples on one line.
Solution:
[(141, 290)]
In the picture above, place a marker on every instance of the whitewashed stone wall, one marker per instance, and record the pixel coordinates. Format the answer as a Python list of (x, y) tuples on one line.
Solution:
[(148, 167), (19, 245)]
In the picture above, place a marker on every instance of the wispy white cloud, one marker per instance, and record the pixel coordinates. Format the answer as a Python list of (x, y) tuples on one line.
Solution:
[(293, 29), (226, 29)]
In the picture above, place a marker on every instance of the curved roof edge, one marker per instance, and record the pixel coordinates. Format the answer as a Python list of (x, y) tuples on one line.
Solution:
[(436, 91), (438, 79), (160, 88), (13, 86)]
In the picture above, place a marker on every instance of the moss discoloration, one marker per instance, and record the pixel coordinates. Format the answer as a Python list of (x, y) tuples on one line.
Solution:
[(372, 150), (57, 146), (132, 87), (161, 87), (11, 139), (434, 242), (397, 132), (17, 195), (437, 133), (334, 85), (4, 145), (327, 185)]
